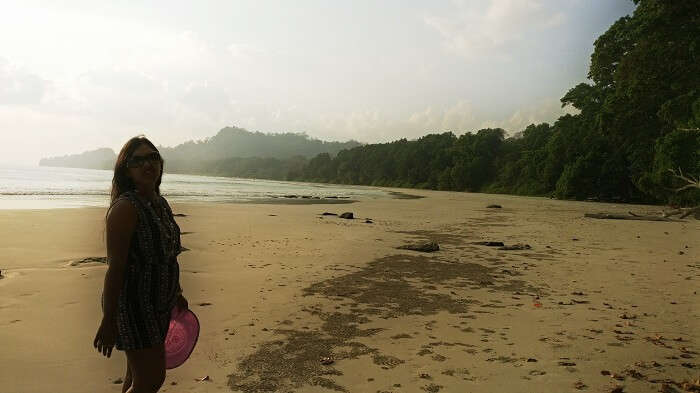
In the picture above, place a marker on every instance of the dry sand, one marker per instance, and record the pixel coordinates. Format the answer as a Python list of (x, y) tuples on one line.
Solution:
[(287, 287)]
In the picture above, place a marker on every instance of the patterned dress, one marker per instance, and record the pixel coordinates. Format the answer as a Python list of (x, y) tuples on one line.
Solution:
[(151, 283)]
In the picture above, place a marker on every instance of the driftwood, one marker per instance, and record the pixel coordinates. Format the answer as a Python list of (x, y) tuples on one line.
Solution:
[(629, 216), (683, 212), (692, 182)]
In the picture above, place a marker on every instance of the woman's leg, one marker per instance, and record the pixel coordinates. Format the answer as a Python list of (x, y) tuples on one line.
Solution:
[(127, 378), (147, 369)]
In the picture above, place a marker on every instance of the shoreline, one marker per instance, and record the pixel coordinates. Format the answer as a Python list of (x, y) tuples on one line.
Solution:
[(392, 194), (289, 199)]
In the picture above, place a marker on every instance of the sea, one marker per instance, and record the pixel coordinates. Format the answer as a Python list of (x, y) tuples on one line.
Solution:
[(54, 188)]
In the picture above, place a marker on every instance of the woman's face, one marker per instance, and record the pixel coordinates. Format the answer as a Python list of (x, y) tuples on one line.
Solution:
[(143, 167)]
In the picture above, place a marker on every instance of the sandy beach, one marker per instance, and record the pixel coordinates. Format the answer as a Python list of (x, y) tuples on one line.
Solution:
[(592, 304)]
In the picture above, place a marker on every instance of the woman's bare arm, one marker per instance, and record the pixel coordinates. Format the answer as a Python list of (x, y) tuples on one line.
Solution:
[(121, 222)]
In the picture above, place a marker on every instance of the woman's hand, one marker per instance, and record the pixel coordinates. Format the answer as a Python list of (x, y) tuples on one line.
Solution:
[(105, 338), (181, 303)]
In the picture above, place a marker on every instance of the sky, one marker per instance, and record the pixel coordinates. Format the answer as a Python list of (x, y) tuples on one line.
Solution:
[(80, 75)]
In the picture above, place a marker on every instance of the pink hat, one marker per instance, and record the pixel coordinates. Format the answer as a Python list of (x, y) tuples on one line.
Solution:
[(182, 337)]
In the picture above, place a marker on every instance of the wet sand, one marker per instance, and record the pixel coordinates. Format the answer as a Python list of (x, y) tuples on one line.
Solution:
[(292, 300)]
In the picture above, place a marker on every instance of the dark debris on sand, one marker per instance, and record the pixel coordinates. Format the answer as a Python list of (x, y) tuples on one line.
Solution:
[(385, 288), (295, 361)]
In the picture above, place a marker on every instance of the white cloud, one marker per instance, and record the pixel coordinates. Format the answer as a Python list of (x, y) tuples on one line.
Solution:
[(20, 87), (374, 126), (245, 51), (544, 111), (478, 28)]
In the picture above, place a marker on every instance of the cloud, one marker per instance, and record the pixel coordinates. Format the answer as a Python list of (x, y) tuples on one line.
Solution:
[(460, 117), (483, 28), (544, 111), (20, 87), (246, 51), (124, 97), (374, 126)]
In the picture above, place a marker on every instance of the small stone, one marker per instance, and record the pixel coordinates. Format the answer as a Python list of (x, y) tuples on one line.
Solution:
[(347, 216), (493, 206), (118, 381)]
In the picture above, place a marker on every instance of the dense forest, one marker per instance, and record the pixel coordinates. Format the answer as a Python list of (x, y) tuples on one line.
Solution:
[(639, 117)]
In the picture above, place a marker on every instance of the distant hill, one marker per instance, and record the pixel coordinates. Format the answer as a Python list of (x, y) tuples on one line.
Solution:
[(94, 159), (228, 143), (233, 142)]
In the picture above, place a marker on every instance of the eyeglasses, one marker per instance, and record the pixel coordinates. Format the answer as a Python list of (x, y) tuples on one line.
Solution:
[(138, 161)]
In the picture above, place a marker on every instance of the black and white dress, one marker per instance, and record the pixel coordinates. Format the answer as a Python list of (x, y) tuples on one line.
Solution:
[(151, 282)]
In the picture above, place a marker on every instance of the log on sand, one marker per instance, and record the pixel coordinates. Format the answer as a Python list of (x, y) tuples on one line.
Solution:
[(630, 216)]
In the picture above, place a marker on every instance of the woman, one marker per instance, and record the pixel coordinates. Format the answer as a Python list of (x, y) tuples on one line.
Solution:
[(142, 280)]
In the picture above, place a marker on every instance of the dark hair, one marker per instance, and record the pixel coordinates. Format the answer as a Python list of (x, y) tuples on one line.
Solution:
[(121, 182)]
